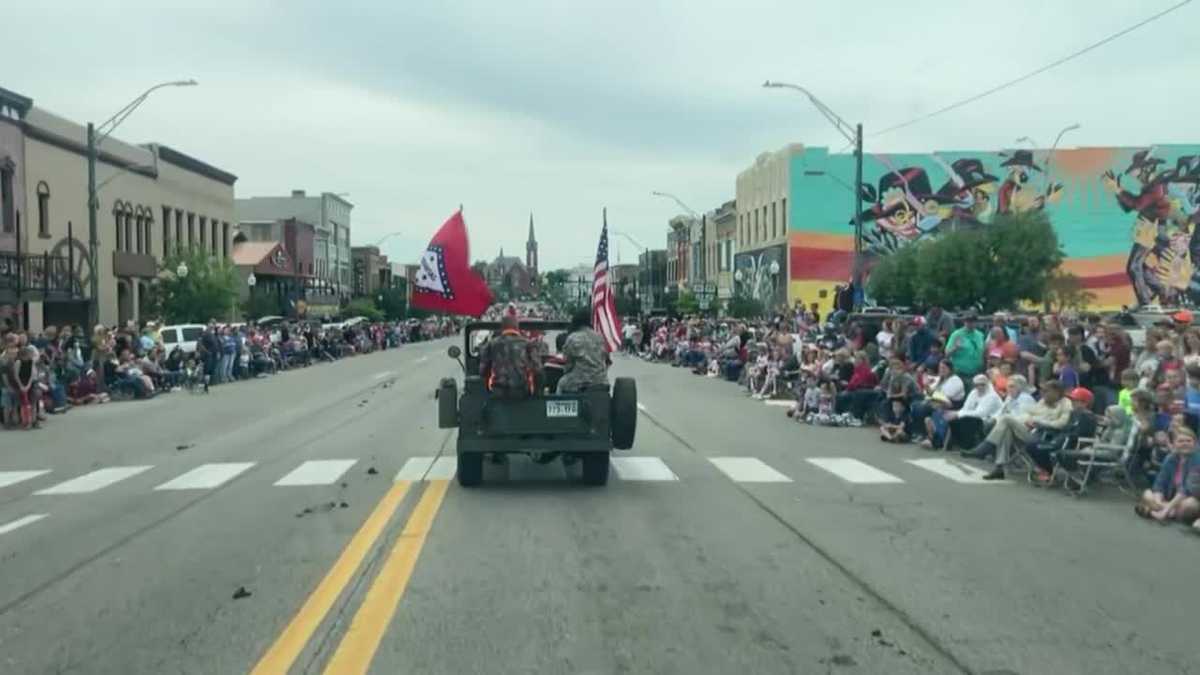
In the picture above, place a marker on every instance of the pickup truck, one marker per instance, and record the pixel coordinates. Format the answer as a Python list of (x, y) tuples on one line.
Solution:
[(584, 427)]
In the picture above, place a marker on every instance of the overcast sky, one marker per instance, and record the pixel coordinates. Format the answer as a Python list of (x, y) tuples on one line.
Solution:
[(561, 108)]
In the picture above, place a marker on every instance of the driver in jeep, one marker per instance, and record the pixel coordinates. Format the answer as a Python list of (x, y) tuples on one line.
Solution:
[(508, 363)]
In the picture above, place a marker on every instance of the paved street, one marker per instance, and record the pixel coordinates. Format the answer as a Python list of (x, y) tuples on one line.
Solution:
[(729, 540)]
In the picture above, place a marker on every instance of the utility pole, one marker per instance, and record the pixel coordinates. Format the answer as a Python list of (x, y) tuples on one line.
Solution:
[(93, 240), (858, 177)]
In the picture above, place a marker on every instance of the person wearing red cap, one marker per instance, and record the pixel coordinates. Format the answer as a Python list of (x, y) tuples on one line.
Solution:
[(1081, 424)]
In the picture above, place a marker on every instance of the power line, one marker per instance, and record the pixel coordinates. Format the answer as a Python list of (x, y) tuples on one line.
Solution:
[(1039, 71)]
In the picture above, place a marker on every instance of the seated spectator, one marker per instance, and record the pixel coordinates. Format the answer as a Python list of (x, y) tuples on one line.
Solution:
[(1011, 432), (1017, 398), (969, 424), (859, 391), (949, 384), (935, 424), (1169, 498), (1082, 424), (1129, 382), (85, 390)]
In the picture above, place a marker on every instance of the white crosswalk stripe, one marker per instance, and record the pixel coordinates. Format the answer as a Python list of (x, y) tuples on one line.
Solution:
[(21, 522), (96, 480), (428, 468), (748, 470), (317, 472), (206, 476), (13, 477), (642, 469), (853, 471), (957, 471)]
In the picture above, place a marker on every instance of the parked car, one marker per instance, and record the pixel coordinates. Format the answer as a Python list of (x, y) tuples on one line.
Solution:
[(184, 336)]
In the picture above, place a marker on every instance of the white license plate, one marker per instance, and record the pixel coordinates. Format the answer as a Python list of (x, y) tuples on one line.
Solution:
[(562, 408)]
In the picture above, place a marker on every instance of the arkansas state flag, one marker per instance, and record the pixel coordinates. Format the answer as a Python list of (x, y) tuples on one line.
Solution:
[(445, 282)]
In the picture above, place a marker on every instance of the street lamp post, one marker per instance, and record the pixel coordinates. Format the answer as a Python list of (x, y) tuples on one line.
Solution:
[(695, 216), (96, 136), (854, 134)]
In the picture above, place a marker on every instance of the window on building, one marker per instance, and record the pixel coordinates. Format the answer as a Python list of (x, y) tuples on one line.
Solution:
[(191, 221), (148, 223), (774, 222), (120, 227), (757, 234), (203, 232), (139, 232), (764, 222), (783, 214), (213, 239), (166, 231), (224, 240), (43, 197), (7, 208)]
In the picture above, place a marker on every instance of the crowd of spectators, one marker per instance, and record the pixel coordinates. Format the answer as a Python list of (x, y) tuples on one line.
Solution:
[(49, 372), (1065, 399)]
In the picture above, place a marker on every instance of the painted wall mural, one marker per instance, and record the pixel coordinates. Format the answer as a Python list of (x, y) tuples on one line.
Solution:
[(761, 274), (1128, 218)]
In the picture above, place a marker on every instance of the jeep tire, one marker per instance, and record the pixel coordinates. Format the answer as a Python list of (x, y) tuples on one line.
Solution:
[(595, 468), (623, 417), (470, 468)]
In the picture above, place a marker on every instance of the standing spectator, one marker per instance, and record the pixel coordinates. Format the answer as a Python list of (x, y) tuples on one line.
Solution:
[(941, 322), (965, 348), (228, 354), (885, 340), (1064, 369), (920, 341)]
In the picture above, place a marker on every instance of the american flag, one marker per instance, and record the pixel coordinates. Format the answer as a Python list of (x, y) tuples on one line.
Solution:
[(604, 311)]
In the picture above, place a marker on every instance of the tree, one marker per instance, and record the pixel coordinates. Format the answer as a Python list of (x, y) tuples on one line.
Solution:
[(1064, 290), (259, 305), (741, 307), (687, 304), (394, 304), (997, 267), (896, 278), (363, 307), (208, 291)]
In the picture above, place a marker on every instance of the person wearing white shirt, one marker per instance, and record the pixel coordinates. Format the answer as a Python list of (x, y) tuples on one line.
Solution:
[(981, 407)]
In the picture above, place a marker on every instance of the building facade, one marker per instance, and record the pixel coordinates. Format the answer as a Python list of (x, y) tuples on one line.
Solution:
[(679, 254), (330, 214), (652, 275), (760, 265), (153, 201), (720, 237), (372, 271), (14, 283), (1128, 219), (280, 255)]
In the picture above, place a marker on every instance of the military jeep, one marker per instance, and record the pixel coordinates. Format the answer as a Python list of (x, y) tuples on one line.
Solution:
[(580, 427)]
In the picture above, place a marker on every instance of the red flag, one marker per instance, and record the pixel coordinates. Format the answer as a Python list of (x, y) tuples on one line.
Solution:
[(445, 281)]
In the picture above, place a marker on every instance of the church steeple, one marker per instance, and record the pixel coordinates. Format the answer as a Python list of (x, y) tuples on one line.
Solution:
[(531, 250)]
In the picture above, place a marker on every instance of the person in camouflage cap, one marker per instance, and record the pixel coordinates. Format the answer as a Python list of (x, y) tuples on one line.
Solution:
[(508, 364), (587, 360)]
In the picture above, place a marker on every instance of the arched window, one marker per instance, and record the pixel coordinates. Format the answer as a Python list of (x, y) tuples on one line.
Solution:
[(119, 221), (139, 231), (43, 205)]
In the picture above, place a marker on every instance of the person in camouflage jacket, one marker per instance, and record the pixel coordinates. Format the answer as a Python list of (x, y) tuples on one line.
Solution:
[(508, 363)]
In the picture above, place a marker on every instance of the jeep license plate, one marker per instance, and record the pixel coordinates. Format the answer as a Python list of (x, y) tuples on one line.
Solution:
[(562, 408)]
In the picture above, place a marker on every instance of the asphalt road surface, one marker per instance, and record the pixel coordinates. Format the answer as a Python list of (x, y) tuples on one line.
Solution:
[(309, 523)]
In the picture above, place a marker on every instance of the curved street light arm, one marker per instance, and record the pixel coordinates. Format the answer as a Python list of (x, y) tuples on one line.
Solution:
[(846, 129), (115, 121), (631, 240), (678, 201)]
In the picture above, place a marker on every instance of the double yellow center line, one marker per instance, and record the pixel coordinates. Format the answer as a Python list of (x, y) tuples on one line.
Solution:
[(360, 642)]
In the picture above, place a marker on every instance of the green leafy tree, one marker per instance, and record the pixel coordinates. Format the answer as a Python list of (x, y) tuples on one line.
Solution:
[(394, 304), (687, 304), (1064, 291), (895, 280), (208, 291), (1011, 261), (259, 305), (363, 307), (741, 307)]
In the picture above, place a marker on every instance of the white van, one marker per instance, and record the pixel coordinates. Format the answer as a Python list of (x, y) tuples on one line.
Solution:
[(183, 336)]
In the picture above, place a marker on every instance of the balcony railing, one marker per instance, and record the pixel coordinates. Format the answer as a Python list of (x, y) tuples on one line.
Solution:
[(37, 277)]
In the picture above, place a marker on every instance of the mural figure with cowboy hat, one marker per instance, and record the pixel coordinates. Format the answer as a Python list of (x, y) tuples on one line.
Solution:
[(905, 209), (1016, 195), (1161, 260)]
